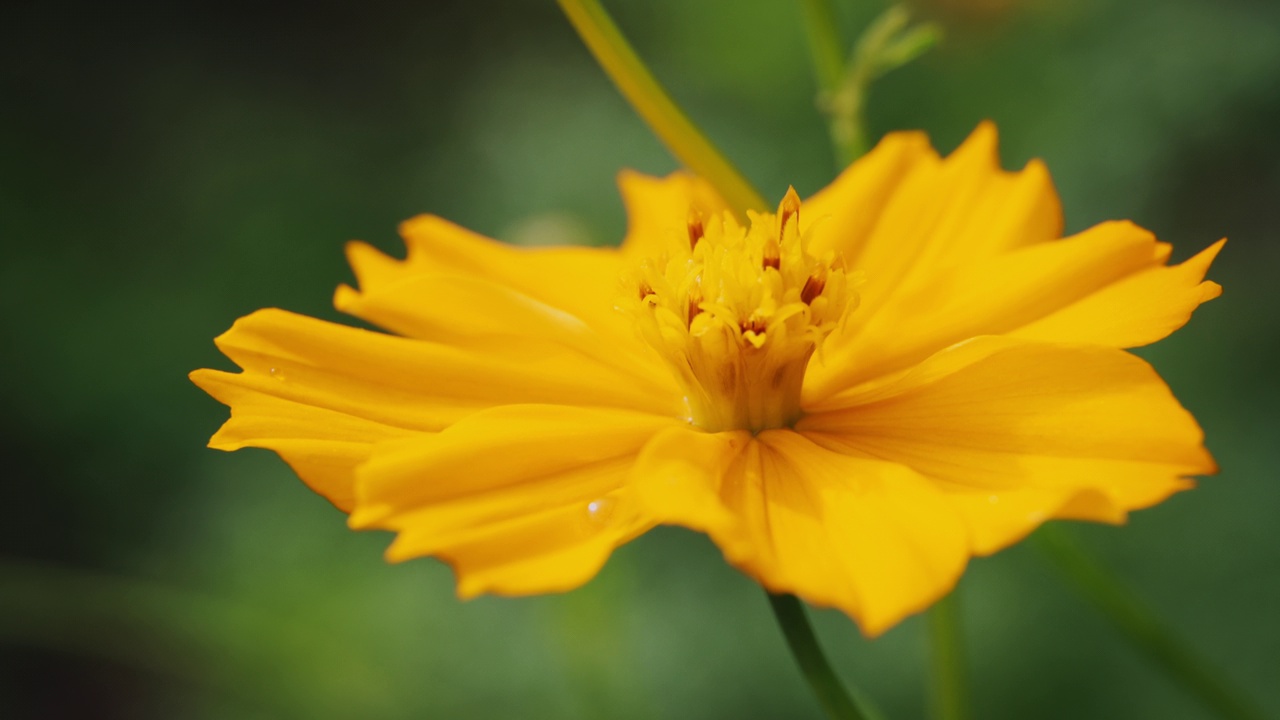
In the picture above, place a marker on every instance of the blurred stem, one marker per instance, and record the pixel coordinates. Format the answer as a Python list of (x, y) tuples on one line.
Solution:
[(825, 44), (840, 88), (887, 43), (838, 703), (651, 101), (950, 675), (1138, 624)]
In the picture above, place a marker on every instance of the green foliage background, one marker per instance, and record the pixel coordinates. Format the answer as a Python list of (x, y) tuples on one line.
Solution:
[(164, 171)]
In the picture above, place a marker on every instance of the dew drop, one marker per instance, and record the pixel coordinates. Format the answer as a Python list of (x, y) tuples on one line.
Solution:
[(993, 499), (276, 373), (600, 510)]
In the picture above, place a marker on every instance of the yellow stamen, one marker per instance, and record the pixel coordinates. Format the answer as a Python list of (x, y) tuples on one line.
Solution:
[(696, 230), (814, 285), (772, 254)]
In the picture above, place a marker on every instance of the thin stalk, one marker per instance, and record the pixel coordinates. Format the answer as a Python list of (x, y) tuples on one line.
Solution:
[(842, 80), (651, 101), (837, 702), (889, 42), (1138, 624), (825, 46), (950, 674)]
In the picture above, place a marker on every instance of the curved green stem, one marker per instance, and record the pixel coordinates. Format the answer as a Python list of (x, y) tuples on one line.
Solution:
[(950, 676), (836, 701), (1138, 624), (651, 101)]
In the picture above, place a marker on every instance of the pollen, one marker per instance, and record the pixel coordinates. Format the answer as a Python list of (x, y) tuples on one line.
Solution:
[(737, 312)]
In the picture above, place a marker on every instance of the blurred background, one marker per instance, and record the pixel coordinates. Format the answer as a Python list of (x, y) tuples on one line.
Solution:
[(167, 169)]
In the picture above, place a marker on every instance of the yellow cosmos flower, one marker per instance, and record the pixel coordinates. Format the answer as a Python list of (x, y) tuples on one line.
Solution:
[(851, 396)]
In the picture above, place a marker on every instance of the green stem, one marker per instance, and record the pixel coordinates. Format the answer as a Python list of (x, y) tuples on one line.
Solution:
[(950, 677), (836, 701), (651, 101), (839, 87), (1137, 623), (889, 42), (825, 46)]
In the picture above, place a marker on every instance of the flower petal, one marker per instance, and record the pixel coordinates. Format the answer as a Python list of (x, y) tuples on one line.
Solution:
[(955, 248), (412, 384), (900, 213), (658, 208), (322, 394), (518, 499), (322, 446), (677, 477), (1017, 432), (464, 289), (578, 281), (871, 538), (842, 216), (1138, 310), (1045, 291)]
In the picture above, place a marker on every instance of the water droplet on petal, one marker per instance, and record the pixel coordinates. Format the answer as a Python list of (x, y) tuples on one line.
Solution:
[(276, 373), (600, 510), (993, 499)]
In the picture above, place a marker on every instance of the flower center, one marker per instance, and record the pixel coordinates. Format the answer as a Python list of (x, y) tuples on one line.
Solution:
[(737, 313)]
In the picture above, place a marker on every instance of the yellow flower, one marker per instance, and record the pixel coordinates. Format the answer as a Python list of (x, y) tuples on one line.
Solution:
[(851, 396)]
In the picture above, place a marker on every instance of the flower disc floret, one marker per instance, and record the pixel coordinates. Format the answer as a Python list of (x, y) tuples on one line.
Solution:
[(737, 312)]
